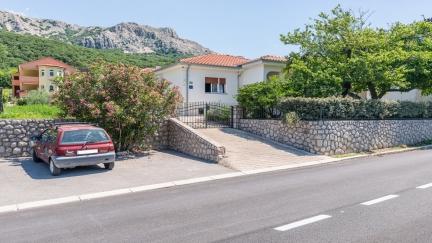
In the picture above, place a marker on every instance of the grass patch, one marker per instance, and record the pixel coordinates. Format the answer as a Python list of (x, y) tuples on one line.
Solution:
[(341, 156), (30, 112)]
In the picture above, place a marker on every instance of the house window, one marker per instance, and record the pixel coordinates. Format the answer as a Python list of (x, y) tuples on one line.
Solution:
[(215, 85), (272, 74), (51, 88), (60, 73), (43, 73), (51, 73)]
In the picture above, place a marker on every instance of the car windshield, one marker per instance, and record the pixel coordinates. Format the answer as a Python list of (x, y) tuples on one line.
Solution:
[(84, 136)]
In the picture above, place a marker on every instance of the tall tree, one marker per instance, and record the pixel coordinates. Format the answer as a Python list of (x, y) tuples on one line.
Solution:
[(3, 55), (340, 54)]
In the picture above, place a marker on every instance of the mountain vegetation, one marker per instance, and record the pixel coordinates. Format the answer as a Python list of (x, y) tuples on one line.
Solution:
[(128, 37), (18, 48)]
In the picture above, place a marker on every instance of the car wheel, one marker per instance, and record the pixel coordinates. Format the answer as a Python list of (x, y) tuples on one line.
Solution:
[(35, 157), (109, 166), (55, 171)]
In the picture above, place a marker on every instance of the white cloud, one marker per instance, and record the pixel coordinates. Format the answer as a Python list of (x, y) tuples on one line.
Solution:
[(22, 13)]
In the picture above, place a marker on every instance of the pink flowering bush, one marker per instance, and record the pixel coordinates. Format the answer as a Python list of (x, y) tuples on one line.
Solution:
[(129, 103)]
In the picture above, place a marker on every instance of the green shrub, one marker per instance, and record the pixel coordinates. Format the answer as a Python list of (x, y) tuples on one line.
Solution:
[(125, 100), (261, 98), (349, 109), (291, 118), (37, 97), (7, 95), (21, 101), (219, 115)]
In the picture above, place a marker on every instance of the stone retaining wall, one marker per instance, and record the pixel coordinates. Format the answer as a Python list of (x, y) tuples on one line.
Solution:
[(339, 137), (187, 140), (15, 136)]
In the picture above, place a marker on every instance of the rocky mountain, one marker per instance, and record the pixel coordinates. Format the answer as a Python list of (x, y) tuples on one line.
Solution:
[(129, 37)]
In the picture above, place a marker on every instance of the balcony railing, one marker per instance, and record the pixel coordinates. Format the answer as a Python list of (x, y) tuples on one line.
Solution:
[(29, 80)]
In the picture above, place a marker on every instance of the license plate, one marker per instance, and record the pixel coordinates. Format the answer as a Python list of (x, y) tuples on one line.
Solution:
[(88, 151)]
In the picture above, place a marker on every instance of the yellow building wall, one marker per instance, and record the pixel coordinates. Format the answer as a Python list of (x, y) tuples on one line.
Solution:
[(46, 81)]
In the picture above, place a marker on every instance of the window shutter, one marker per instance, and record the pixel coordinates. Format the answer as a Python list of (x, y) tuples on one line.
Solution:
[(211, 80)]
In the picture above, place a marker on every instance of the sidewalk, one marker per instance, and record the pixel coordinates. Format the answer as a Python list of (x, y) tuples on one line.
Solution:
[(22, 180)]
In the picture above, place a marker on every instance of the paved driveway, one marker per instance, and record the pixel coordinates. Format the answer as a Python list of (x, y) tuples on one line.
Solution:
[(22, 180), (246, 151)]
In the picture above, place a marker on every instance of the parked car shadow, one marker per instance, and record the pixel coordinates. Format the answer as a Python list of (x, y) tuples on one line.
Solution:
[(40, 171)]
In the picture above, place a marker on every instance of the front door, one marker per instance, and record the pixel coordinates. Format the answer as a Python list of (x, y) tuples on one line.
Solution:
[(16, 91)]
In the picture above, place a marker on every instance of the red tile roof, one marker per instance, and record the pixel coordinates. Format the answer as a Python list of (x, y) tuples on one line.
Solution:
[(273, 58), (46, 61), (216, 60)]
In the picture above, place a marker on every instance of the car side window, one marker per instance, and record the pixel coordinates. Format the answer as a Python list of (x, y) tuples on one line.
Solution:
[(44, 137), (49, 136), (52, 135)]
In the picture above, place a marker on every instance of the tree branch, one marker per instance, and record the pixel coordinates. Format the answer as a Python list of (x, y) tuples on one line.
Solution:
[(354, 95)]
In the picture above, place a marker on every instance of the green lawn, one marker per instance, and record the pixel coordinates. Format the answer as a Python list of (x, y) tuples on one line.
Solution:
[(30, 112)]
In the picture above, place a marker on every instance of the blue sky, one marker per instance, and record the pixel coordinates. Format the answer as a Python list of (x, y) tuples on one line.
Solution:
[(249, 28)]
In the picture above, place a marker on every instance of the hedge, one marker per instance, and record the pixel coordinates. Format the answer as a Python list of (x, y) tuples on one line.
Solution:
[(353, 109)]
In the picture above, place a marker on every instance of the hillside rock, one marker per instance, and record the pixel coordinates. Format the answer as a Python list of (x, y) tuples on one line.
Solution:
[(129, 37)]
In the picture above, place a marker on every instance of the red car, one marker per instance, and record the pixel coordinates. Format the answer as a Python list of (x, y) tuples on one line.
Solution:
[(69, 145)]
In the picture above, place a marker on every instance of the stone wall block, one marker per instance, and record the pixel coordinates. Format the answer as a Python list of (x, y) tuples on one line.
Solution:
[(339, 137)]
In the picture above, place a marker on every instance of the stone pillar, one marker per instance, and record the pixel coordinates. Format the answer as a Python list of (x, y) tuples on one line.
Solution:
[(236, 116)]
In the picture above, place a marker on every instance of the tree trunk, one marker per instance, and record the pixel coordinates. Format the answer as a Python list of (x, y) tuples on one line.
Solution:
[(373, 92)]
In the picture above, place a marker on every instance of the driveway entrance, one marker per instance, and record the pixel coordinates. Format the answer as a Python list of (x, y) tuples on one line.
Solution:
[(205, 114), (245, 151)]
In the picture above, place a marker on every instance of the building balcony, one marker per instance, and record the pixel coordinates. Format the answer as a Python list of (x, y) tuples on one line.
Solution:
[(28, 80)]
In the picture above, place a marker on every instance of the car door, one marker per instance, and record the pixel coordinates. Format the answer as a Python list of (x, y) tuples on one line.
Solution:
[(50, 145), (46, 144), (40, 145)]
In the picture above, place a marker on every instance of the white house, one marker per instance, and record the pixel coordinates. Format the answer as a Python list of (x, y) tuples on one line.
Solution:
[(216, 77)]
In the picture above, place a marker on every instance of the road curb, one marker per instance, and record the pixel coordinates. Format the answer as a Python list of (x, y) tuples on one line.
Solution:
[(90, 196)]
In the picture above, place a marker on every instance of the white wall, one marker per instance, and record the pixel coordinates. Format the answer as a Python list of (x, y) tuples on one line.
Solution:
[(413, 95), (176, 75), (197, 74), (252, 73), (402, 96), (257, 71), (276, 67)]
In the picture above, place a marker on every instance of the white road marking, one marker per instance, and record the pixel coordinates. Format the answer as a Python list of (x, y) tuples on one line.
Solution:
[(302, 222), (151, 187), (378, 200), (48, 202), (193, 180), (8, 208), (104, 194), (424, 186), (227, 175)]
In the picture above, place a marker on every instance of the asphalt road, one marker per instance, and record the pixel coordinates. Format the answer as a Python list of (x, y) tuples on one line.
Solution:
[(372, 199)]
